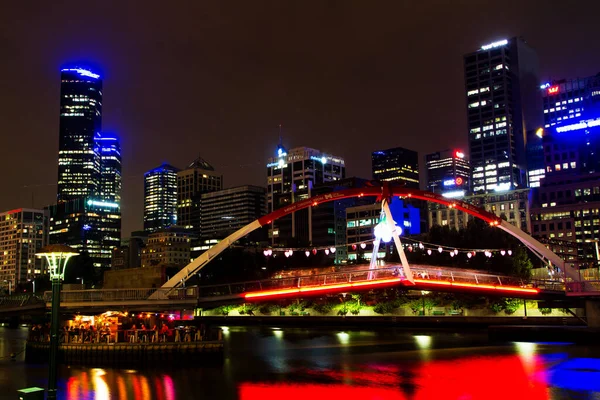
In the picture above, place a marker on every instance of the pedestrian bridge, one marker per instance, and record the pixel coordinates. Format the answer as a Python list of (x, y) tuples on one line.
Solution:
[(426, 277)]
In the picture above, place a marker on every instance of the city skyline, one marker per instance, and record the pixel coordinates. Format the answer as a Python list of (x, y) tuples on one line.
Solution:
[(346, 85)]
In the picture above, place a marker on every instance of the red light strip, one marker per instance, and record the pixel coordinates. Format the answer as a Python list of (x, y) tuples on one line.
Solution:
[(478, 286), (381, 282), (312, 289)]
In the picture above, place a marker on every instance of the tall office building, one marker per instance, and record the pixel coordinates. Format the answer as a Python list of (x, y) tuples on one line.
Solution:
[(160, 198), (501, 84), (291, 176), (448, 171), (397, 165), (197, 178), (109, 188), (566, 100), (23, 232), (80, 122), (88, 214), (87, 224), (225, 211), (566, 204)]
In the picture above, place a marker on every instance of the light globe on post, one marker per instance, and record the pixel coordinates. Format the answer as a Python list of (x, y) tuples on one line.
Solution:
[(57, 256)]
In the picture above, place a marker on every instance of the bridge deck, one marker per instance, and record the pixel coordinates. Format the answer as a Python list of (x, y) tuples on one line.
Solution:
[(426, 278)]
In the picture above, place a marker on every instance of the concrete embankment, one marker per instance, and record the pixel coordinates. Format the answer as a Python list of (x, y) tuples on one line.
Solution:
[(128, 353), (385, 321)]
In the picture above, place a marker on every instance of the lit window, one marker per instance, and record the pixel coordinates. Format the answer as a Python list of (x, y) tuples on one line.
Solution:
[(573, 164), (565, 165), (557, 167)]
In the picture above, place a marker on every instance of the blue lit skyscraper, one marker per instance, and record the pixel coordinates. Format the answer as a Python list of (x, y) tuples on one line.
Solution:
[(109, 188), (80, 122), (88, 214), (160, 198)]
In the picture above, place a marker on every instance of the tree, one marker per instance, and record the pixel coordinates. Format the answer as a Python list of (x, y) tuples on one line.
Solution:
[(521, 264)]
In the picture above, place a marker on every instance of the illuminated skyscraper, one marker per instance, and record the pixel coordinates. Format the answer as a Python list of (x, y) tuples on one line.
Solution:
[(88, 214), (291, 177), (199, 177), (23, 232), (109, 188), (160, 198), (501, 85), (80, 122), (448, 173), (397, 165)]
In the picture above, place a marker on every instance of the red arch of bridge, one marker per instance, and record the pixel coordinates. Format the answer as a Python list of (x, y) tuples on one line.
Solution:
[(382, 191)]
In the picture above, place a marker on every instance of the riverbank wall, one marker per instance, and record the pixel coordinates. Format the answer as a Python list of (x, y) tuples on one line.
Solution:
[(127, 354)]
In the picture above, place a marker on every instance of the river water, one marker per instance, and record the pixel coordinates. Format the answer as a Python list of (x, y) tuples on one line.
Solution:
[(328, 364)]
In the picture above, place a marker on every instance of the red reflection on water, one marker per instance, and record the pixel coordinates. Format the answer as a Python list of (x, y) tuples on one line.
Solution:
[(485, 378), (257, 391)]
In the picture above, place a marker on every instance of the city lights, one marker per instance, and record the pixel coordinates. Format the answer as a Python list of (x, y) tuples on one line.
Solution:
[(493, 45)]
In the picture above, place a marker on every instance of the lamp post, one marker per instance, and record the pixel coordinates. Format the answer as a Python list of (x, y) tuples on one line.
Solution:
[(57, 256), (81, 279), (32, 283)]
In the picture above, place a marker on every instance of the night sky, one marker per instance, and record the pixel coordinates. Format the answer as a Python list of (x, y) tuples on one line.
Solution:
[(217, 78)]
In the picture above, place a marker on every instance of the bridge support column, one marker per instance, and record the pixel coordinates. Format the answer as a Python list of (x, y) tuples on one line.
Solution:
[(592, 312)]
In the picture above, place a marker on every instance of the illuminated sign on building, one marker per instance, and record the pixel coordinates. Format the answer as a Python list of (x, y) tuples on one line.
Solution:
[(459, 154), (449, 182), (580, 125), (544, 86), (102, 204), (459, 181), (553, 89), (454, 195), (83, 72), (493, 45)]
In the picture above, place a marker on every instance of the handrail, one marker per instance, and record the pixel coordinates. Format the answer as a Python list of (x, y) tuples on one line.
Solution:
[(238, 288)]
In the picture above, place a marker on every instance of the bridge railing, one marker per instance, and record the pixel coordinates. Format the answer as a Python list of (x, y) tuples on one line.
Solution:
[(370, 274), (583, 287), (110, 295)]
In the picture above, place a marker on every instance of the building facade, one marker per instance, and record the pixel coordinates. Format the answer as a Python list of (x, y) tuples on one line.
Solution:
[(87, 224), (80, 123), (329, 219), (226, 211), (501, 84), (513, 206), (23, 232), (160, 198), (566, 205), (291, 177), (199, 177), (447, 171), (398, 165), (167, 248)]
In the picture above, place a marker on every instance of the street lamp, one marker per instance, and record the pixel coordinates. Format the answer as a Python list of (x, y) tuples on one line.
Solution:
[(33, 283), (57, 256), (81, 279)]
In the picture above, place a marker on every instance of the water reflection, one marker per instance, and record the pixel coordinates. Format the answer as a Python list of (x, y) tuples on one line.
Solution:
[(266, 363), (99, 384), (489, 378)]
